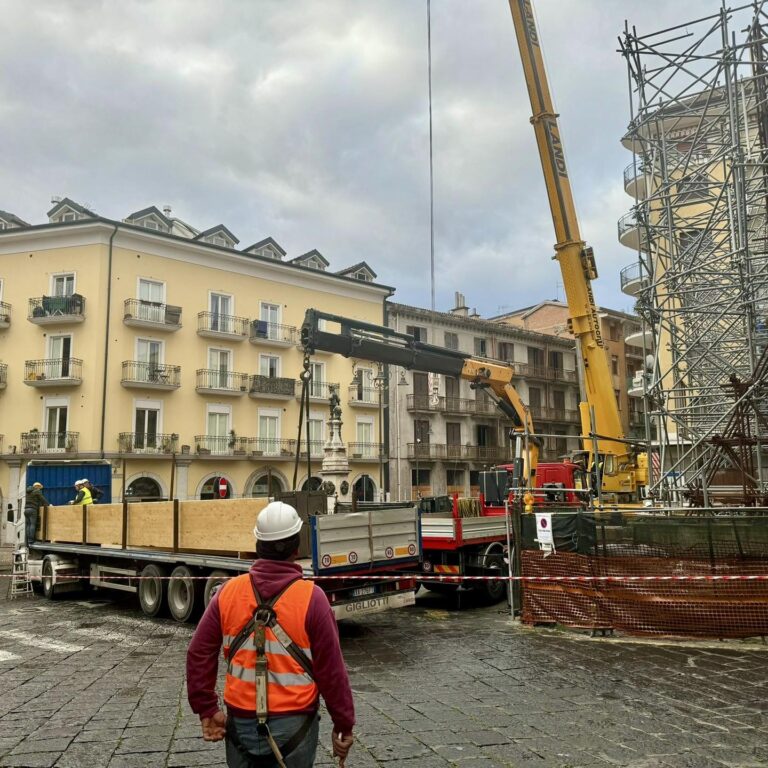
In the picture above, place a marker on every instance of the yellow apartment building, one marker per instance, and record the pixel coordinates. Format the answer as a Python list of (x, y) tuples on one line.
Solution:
[(171, 357)]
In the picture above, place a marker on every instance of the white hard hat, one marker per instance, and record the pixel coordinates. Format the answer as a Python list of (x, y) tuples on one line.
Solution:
[(277, 521)]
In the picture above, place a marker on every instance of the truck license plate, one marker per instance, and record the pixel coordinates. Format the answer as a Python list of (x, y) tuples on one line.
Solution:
[(360, 591)]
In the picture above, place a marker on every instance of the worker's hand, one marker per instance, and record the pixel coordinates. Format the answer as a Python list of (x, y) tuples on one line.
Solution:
[(214, 728), (341, 746)]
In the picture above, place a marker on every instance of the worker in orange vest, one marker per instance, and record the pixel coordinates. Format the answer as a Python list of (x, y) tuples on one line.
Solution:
[(281, 645)]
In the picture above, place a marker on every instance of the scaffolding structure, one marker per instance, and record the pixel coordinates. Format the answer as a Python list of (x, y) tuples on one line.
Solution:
[(699, 227)]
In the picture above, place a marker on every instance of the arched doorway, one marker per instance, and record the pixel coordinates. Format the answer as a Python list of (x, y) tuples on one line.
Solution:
[(312, 484), (210, 488), (144, 489), (365, 488), (267, 485)]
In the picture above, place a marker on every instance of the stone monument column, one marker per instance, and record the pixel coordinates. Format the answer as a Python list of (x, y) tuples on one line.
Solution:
[(335, 467)]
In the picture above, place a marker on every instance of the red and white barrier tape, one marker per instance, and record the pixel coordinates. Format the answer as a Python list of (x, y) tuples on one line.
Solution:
[(455, 578)]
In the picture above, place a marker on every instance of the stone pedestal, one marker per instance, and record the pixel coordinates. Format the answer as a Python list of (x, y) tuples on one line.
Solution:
[(335, 468)]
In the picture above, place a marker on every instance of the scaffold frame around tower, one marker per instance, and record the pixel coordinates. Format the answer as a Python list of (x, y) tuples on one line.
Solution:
[(699, 228)]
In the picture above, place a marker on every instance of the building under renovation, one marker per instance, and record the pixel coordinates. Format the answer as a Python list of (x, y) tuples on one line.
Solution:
[(699, 137)]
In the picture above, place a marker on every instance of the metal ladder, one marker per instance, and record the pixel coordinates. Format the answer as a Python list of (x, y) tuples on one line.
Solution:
[(20, 582)]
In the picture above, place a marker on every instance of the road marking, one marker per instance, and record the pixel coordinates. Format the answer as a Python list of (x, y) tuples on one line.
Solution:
[(7, 656), (34, 641)]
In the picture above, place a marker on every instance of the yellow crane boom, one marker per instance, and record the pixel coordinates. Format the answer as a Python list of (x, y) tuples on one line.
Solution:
[(577, 265)]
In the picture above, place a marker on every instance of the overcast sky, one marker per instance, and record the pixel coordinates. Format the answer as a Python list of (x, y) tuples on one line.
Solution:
[(307, 121)]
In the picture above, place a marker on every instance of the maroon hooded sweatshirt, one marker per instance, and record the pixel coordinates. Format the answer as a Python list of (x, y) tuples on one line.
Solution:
[(328, 669)]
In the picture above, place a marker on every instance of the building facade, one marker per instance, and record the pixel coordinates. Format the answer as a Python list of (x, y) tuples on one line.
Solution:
[(171, 356), (442, 433), (622, 336)]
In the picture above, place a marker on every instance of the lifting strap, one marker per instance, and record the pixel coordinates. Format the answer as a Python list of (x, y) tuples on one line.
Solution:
[(264, 617)]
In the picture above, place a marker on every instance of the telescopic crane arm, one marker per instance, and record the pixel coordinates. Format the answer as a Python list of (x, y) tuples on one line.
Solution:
[(577, 263), (380, 344)]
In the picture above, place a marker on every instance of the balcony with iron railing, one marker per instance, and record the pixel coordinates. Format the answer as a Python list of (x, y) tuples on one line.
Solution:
[(320, 390), (633, 279), (49, 442), (222, 445), (2, 437), (140, 313), (637, 383), (459, 405), (426, 451), (273, 447), (425, 403), (363, 397), (316, 448), (148, 443), (58, 372), (213, 325), (272, 388), (3, 375), (57, 310), (636, 180), (532, 371), (545, 413), (631, 233), (142, 375), (272, 334), (5, 314), (212, 381), (365, 451)]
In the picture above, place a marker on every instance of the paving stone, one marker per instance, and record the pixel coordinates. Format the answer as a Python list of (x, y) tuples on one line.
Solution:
[(30, 760)]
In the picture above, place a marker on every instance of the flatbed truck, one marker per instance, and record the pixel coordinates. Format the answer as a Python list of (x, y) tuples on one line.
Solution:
[(173, 555)]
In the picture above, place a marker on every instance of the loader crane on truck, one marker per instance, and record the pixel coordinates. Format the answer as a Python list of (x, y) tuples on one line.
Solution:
[(463, 537), (623, 471)]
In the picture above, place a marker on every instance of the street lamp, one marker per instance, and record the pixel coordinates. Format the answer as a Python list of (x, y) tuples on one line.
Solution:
[(418, 451)]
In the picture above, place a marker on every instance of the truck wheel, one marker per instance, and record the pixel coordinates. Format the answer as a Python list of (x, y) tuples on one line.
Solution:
[(212, 584), (152, 588), (494, 590), (184, 594), (49, 588)]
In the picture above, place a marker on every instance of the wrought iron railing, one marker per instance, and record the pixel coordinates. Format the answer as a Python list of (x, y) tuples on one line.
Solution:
[(151, 373), (321, 390), (372, 451), (426, 451), (272, 446), (425, 403), (222, 445), (5, 313), (57, 306), (213, 322), (261, 330), (631, 274), (152, 312), (315, 448), (70, 368), (268, 385), (148, 442), (3, 374), (363, 395), (212, 378), (49, 442)]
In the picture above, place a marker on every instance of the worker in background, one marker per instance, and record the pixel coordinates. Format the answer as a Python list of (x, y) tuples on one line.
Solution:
[(33, 500), (96, 493), (272, 696), (83, 494)]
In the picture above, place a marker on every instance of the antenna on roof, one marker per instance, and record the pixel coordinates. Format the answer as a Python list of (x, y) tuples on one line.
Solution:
[(55, 199), (167, 210)]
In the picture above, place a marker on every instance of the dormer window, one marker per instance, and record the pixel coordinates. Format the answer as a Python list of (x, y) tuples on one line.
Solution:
[(314, 264), (362, 275), (68, 216)]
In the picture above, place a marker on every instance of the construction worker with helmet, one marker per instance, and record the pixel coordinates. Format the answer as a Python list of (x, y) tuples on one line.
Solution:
[(33, 500), (281, 644), (84, 496)]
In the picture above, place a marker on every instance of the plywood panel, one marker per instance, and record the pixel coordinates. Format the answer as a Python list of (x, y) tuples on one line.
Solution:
[(150, 524), (65, 523), (105, 524), (223, 525)]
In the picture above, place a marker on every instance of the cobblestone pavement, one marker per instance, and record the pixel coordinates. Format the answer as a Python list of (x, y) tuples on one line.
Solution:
[(91, 683)]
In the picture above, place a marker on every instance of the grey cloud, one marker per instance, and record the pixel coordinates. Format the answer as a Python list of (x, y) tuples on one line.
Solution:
[(307, 121)]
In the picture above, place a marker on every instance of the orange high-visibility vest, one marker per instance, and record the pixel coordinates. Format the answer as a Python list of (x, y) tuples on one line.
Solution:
[(289, 687)]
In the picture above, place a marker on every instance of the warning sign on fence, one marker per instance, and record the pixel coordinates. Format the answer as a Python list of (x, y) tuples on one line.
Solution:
[(544, 531)]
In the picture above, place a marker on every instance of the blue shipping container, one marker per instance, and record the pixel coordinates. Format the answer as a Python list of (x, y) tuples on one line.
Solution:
[(59, 480)]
